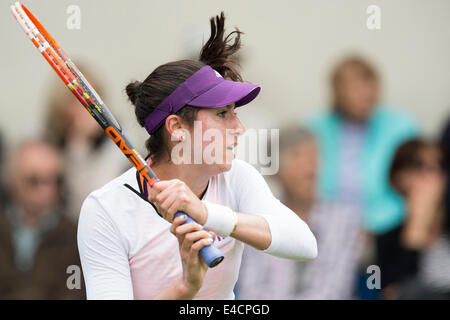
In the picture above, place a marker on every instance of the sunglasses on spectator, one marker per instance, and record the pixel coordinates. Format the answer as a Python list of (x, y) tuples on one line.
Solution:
[(424, 166), (36, 180)]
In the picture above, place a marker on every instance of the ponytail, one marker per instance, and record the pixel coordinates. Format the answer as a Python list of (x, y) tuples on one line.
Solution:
[(217, 51), (147, 95)]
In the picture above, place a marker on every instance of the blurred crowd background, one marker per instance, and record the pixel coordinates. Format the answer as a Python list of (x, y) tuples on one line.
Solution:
[(364, 119)]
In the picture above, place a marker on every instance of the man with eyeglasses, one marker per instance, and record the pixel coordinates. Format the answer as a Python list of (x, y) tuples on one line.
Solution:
[(37, 242)]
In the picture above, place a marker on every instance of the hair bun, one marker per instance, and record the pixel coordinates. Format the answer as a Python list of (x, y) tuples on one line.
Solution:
[(133, 91)]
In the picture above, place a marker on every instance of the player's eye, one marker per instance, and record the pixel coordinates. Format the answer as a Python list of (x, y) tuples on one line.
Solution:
[(222, 114)]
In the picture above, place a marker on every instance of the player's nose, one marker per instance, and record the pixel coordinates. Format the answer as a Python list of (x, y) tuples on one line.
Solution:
[(238, 128)]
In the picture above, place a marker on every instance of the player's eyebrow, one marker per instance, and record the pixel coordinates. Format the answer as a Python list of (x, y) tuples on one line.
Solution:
[(227, 107)]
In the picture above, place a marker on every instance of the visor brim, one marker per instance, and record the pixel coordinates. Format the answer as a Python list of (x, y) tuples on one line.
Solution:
[(226, 93)]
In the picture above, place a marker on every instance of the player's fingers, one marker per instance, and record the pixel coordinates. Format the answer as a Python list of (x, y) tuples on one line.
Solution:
[(197, 246), (181, 230), (172, 191), (163, 200), (192, 237), (162, 185), (213, 235), (167, 206), (152, 193), (177, 222), (180, 203), (157, 188), (164, 194)]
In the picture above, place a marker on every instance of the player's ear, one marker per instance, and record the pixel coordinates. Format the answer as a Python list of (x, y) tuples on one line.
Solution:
[(173, 125)]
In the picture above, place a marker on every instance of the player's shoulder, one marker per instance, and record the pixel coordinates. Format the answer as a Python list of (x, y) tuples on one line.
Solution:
[(241, 171), (127, 177), (114, 190), (239, 166)]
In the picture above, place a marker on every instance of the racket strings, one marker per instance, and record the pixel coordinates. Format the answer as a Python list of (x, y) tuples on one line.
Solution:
[(57, 59), (72, 77), (77, 79)]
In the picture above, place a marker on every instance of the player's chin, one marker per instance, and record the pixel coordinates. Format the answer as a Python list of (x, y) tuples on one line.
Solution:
[(229, 155), (224, 167), (220, 164), (218, 168), (221, 167)]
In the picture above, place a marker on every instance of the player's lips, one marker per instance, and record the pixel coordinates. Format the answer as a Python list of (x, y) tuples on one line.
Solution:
[(232, 146)]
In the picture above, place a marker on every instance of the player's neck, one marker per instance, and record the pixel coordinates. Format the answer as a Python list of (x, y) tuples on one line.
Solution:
[(195, 179)]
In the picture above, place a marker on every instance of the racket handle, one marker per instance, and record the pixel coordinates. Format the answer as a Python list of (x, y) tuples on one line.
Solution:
[(210, 254)]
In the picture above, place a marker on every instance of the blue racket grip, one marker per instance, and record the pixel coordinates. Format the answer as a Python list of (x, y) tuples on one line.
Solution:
[(210, 254)]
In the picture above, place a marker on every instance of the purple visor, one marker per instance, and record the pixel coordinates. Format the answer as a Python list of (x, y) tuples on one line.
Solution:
[(206, 89)]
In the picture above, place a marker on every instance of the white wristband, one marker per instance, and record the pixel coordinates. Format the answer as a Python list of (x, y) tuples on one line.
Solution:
[(221, 219)]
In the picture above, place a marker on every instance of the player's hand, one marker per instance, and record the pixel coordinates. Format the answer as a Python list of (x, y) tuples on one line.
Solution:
[(191, 238), (171, 196)]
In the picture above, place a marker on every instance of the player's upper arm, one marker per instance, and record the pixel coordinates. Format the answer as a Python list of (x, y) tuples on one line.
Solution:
[(103, 256)]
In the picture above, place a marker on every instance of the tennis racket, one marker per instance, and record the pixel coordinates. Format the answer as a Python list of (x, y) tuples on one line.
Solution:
[(80, 87)]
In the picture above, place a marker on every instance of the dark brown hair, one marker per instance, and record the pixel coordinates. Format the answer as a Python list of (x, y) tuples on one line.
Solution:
[(147, 95), (445, 145), (360, 65), (407, 156)]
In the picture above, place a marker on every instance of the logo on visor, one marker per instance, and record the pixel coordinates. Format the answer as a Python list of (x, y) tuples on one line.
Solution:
[(217, 74)]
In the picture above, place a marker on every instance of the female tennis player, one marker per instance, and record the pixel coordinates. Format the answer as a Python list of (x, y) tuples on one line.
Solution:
[(129, 243)]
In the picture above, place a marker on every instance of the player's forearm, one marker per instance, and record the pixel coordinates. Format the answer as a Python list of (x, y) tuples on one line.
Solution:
[(281, 233), (248, 228), (291, 237), (253, 230)]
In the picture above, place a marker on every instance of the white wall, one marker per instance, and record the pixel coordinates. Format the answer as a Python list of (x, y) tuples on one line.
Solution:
[(289, 48)]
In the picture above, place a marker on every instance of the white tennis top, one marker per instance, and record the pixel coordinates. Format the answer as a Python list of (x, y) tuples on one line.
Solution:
[(128, 252)]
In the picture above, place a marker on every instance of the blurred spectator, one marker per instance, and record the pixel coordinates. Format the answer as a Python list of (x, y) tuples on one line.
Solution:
[(332, 274), (37, 242), (90, 160), (357, 139), (445, 145), (2, 172), (414, 258)]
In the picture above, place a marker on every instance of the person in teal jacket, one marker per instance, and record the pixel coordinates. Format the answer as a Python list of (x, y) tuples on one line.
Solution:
[(357, 140)]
